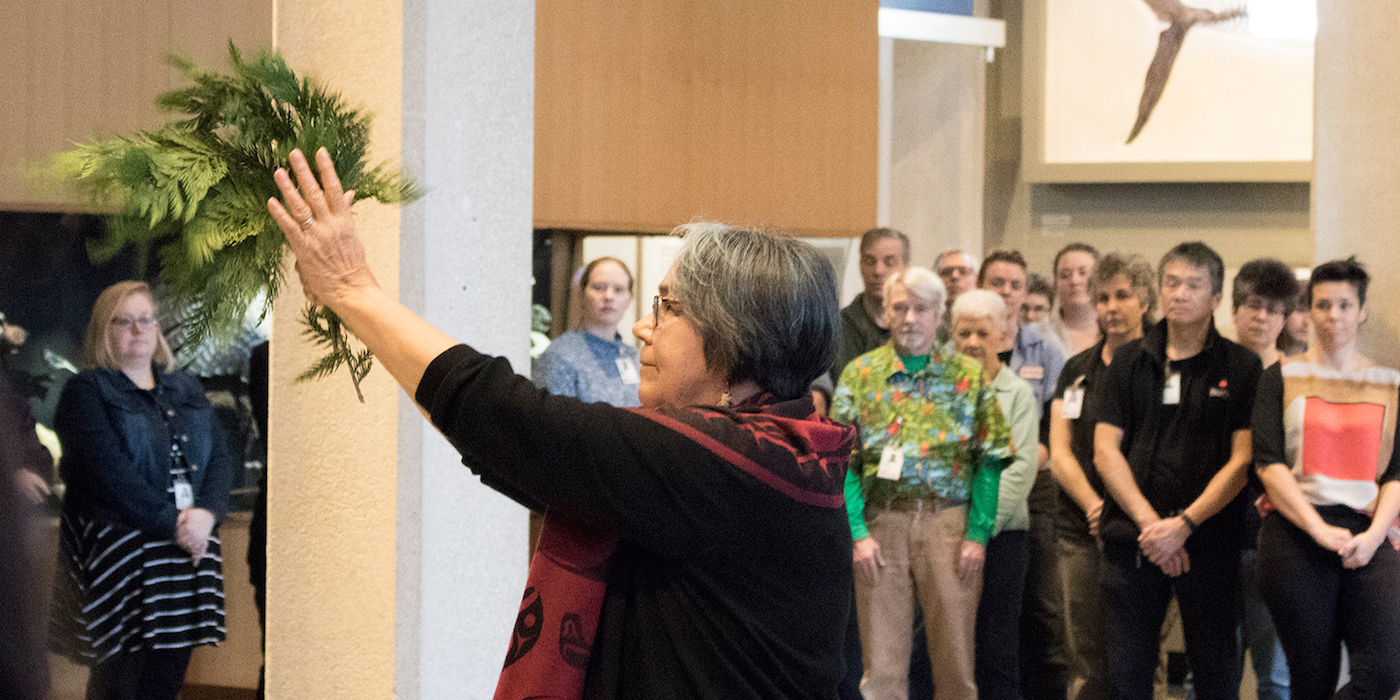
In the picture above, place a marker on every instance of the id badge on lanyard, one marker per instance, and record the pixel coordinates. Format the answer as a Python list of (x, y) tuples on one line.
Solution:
[(184, 494), (1171, 390), (892, 457), (628, 370), (1072, 404)]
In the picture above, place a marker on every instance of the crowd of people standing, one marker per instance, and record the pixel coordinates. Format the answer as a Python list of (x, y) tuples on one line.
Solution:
[(1028, 494), (1252, 480)]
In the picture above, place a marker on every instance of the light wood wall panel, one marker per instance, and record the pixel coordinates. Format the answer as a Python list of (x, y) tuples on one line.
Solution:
[(71, 70), (649, 113)]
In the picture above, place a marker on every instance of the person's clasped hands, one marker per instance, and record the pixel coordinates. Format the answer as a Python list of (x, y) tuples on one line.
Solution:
[(192, 530), (31, 486), (1164, 544)]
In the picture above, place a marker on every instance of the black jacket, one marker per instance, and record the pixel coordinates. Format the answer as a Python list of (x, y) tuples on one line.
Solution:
[(1175, 450)]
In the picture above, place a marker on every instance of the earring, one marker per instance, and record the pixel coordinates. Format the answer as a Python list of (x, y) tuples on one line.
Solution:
[(724, 399)]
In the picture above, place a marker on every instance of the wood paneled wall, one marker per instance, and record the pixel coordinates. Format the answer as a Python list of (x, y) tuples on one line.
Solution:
[(649, 113), (71, 70)]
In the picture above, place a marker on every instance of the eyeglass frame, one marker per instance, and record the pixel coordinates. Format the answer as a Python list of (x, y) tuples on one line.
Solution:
[(126, 323), (1271, 307), (656, 308)]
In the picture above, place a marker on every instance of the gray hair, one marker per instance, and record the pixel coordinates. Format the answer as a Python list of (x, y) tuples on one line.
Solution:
[(980, 303), (938, 261), (1137, 271), (869, 238), (921, 282), (764, 304)]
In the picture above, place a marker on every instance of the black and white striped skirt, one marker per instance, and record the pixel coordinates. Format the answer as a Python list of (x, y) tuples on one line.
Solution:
[(117, 591)]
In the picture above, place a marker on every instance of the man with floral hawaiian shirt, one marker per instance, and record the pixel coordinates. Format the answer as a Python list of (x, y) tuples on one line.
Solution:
[(921, 492)]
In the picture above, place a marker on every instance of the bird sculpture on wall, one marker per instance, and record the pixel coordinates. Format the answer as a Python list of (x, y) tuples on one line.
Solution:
[(1181, 18)]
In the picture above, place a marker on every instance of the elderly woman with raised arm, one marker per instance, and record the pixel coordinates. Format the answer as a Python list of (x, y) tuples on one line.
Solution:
[(702, 536), (1325, 431), (1124, 295)]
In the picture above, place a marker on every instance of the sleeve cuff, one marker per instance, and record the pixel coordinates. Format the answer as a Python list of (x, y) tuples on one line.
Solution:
[(438, 371)]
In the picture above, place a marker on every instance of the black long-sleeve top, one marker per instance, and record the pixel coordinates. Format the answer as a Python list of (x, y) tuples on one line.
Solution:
[(733, 570)]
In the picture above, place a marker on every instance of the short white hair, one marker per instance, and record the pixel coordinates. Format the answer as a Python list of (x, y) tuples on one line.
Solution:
[(938, 261), (920, 281), (980, 303)]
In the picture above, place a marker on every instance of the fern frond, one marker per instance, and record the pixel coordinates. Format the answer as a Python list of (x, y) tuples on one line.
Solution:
[(195, 190)]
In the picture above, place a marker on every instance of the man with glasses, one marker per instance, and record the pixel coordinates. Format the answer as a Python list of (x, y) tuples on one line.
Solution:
[(1172, 444), (958, 270), (883, 252)]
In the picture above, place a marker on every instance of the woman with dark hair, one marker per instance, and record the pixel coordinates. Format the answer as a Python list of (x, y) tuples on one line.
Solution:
[(1293, 339), (148, 477), (1324, 432), (591, 362), (1072, 318), (694, 547)]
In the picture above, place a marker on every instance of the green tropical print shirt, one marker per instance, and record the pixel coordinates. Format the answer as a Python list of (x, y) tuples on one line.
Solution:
[(946, 421)]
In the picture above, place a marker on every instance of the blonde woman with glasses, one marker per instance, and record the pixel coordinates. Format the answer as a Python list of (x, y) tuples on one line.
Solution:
[(148, 473)]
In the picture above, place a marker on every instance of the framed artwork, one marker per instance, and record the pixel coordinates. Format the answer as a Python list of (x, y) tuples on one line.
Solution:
[(1168, 91)]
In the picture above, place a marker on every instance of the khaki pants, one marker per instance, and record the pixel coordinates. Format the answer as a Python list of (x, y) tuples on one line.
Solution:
[(922, 549)]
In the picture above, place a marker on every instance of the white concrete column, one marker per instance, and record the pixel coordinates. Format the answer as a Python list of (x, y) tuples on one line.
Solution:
[(1356, 181), (468, 133)]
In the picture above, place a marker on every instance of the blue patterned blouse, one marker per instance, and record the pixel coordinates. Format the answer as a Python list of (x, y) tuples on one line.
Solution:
[(584, 366)]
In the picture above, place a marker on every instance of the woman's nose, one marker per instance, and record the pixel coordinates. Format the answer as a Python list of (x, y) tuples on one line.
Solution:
[(641, 330)]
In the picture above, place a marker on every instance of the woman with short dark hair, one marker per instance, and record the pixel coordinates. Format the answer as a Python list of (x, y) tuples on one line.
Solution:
[(1325, 445), (702, 536)]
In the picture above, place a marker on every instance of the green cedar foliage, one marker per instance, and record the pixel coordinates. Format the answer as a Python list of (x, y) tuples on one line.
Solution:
[(196, 191)]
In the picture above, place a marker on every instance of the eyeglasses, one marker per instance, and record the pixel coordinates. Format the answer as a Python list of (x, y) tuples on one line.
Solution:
[(951, 270), (658, 303), (126, 322), (1273, 308)]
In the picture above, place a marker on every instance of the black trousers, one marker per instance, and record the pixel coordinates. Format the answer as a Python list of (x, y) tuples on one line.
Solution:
[(1317, 606), (849, 689), (998, 635), (147, 674), (1044, 659), (1136, 594)]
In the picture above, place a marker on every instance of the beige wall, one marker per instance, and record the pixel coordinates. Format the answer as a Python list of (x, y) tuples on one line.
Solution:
[(331, 460), (650, 113), (1240, 220), (73, 70)]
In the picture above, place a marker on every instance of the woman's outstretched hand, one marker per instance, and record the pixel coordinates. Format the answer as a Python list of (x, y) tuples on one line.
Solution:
[(320, 228)]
